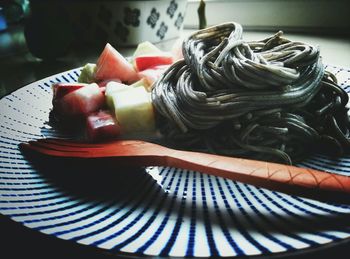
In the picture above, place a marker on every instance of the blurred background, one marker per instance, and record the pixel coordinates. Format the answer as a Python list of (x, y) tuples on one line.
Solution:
[(39, 38)]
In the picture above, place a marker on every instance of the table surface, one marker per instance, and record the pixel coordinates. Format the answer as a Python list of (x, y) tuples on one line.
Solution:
[(18, 68)]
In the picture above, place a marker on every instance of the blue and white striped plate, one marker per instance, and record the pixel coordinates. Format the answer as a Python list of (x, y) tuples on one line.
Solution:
[(154, 211)]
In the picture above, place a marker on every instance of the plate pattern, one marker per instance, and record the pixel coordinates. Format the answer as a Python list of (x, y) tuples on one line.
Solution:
[(153, 211)]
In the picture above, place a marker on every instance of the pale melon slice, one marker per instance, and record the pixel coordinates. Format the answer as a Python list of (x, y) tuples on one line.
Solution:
[(133, 110), (87, 74), (146, 48), (111, 89)]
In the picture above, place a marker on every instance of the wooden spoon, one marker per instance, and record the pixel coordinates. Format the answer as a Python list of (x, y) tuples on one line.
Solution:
[(298, 181)]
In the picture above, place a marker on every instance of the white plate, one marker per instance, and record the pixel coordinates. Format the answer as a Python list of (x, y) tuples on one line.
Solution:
[(153, 211)]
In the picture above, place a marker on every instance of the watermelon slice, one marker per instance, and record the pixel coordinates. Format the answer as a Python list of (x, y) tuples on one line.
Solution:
[(101, 125), (61, 89), (111, 64), (150, 61), (80, 102), (151, 75)]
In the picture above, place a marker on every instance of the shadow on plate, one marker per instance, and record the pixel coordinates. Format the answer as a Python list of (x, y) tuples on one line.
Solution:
[(90, 179)]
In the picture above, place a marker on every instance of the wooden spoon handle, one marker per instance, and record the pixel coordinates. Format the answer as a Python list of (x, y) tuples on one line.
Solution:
[(289, 179)]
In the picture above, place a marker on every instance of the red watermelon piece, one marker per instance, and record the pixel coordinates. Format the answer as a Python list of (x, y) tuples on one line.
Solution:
[(151, 75), (111, 64), (80, 102), (61, 89), (149, 61), (101, 125)]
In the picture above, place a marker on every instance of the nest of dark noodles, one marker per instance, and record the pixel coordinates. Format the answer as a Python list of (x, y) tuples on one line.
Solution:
[(270, 99)]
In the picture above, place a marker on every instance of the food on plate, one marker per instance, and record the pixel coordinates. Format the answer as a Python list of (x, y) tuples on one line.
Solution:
[(102, 125), (111, 97), (146, 48), (61, 89), (270, 99), (133, 110), (176, 49), (151, 75), (141, 82), (104, 83), (149, 61), (78, 102), (87, 74), (111, 88), (111, 64)]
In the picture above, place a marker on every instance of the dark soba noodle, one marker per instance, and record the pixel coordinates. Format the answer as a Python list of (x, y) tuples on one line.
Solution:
[(268, 99)]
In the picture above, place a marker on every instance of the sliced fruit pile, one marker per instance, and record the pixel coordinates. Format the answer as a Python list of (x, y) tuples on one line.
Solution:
[(112, 97)]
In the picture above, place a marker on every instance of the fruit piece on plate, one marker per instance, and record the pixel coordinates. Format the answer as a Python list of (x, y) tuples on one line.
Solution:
[(134, 110), (146, 48), (151, 75), (111, 64), (82, 101), (105, 82), (176, 49), (149, 61), (61, 89), (101, 125), (111, 88), (87, 74), (142, 82)]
